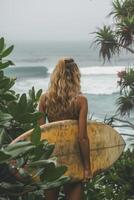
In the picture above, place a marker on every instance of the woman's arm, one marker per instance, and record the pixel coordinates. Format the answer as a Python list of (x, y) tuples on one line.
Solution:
[(82, 135), (42, 109)]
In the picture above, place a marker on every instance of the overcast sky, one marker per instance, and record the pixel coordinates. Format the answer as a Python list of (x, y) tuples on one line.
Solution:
[(52, 19)]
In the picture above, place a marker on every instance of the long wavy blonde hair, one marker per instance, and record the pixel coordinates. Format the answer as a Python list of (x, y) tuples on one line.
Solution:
[(64, 87)]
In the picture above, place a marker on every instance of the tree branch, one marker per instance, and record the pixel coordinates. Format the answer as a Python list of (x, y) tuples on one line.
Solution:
[(125, 134), (129, 49)]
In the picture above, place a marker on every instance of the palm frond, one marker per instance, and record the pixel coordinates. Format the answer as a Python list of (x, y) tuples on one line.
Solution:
[(125, 31), (122, 9), (125, 104), (128, 79), (106, 39)]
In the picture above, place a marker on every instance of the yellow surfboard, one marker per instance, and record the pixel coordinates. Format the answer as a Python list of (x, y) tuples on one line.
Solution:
[(106, 145)]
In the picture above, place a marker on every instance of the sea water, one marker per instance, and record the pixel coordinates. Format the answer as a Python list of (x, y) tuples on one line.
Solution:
[(35, 61)]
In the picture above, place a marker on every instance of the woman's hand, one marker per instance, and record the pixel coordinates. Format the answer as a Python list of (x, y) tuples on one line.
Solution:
[(87, 175)]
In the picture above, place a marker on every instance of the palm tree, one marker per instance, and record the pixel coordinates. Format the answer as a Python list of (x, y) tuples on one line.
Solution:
[(112, 39), (125, 102), (107, 41)]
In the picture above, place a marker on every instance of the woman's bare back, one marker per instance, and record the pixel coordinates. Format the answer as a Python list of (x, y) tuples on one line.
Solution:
[(71, 112)]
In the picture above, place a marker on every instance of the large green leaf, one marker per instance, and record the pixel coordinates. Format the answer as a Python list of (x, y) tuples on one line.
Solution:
[(18, 149), (7, 51), (8, 96), (4, 138), (48, 151), (4, 156), (30, 106), (5, 119), (38, 152), (4, 65), (36, 135), (4, 83), (1, 44), (12, 109), (52, 173), (10, 84), (5, 116), (29, 117), (41, 163), (38, 94), (18, 145), (22, 105)]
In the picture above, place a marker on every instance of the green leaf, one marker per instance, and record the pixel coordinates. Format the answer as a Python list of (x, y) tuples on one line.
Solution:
[(5, 116), (7, 51), (29, 117), (48, 151), (41, 163), (36, 135), (38, 94), (52, 173), (19, 149), (30, 106), (1, 44), (4, 65), (4, 138), (22, 105), (11, 62), (38, 152), (12, 109), (32, 94), (4, 156), (17, 145), (4, 83), (8, 96), (10, 84)]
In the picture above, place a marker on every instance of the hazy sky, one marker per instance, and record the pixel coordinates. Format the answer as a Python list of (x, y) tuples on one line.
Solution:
[(52, 19)]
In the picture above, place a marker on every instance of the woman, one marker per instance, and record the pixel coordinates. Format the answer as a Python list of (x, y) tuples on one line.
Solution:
[(64, 100)]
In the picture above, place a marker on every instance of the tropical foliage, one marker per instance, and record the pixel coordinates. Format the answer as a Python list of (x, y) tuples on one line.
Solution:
[(111, 39), (116, 183), (26, 168), (125, 102)]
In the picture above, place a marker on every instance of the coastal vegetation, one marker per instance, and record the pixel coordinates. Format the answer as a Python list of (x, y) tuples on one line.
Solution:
[(117, 183), (120, 35), (111, 40), (26, 168)]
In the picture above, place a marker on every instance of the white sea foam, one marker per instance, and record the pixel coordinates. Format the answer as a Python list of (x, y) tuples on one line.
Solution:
[(102, 84), (100, 70)]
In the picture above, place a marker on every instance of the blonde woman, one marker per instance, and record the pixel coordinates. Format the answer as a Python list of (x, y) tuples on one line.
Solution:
[(64, 100)]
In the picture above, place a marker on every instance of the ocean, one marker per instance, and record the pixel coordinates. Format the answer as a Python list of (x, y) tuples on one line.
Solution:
[(35, 61)]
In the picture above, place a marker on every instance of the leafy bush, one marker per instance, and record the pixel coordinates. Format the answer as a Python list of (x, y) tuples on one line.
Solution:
[(116, 183), (25, 167)]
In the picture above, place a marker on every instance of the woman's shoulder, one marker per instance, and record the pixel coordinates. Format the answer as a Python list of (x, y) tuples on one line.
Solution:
[(82, 99)]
